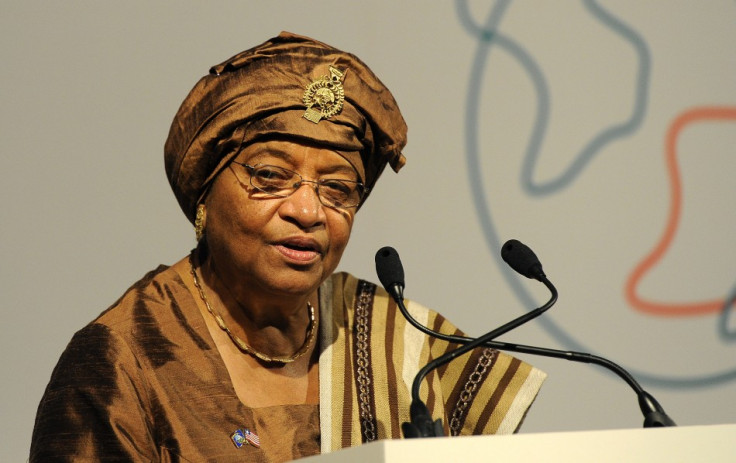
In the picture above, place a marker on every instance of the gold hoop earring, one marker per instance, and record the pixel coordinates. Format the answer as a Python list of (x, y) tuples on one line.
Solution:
[(200, 221)]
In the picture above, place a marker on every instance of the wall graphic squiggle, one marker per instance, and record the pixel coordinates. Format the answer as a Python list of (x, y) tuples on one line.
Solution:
[(488, 36), (687, 118)]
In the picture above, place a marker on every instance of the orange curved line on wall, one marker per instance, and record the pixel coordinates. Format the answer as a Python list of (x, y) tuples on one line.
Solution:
[(674, 309)]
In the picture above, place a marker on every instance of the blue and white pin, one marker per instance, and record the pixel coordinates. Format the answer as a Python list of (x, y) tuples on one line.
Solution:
[(245, 436)]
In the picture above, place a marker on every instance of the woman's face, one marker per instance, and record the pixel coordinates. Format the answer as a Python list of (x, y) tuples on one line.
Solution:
[(270, 245)]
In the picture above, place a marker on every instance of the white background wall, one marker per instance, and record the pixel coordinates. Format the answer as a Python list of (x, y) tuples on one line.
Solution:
[(89, 90)]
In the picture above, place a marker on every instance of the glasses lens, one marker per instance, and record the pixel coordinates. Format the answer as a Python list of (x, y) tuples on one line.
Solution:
[(340, 193), (273, 180)]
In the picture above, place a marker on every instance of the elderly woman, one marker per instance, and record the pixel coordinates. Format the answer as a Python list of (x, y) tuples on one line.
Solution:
[(251, 348)]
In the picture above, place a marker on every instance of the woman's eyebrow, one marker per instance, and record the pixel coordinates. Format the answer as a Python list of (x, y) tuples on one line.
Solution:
[(285, 155), (270, 152), (339, 169)]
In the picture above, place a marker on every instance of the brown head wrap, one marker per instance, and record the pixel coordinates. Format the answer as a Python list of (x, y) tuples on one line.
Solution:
[(259, 93)]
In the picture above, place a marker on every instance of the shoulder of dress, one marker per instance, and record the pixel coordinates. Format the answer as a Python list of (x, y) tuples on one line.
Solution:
[(155, 287)]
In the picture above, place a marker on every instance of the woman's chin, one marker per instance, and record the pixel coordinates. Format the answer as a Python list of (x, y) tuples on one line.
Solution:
[(295, 280)]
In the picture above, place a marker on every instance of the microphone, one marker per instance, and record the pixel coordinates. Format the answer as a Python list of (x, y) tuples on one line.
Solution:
[(390, 271), (391, 274), (523, 260)]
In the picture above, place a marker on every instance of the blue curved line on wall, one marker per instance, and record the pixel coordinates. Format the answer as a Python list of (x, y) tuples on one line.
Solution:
[(487, 37), (603, 138), (729, 310)]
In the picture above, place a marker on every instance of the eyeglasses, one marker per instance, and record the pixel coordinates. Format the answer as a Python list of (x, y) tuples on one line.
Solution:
[(275, 181)]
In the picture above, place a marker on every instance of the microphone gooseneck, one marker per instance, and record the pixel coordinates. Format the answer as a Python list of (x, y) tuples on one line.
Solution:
[(524, 261), (391, 274)]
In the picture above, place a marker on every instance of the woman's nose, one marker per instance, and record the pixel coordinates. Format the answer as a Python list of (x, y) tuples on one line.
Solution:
[(304, 206)]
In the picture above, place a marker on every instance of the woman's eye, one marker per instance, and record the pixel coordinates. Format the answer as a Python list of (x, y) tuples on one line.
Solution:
[(337, 187), (271, 174)]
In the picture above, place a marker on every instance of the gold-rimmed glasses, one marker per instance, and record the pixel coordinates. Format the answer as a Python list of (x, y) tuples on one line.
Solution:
[(275, 181)]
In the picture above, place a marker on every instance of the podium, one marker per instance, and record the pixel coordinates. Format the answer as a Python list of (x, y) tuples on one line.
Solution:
[(711, 444)]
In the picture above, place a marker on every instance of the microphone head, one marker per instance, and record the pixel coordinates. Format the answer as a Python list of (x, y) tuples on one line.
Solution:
[(389, 269), (522, 259)]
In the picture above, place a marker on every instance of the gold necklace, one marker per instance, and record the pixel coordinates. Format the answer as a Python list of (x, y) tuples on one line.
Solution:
[(311, 331)]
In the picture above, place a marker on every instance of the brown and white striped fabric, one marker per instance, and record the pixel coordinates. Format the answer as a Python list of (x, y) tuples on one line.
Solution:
[(370, 355)]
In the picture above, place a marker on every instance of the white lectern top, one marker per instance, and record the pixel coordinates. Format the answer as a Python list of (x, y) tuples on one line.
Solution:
[(715, 443)]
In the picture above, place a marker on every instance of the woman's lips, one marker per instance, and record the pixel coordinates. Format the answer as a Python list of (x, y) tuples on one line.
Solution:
[(300, 255), (298, 249)]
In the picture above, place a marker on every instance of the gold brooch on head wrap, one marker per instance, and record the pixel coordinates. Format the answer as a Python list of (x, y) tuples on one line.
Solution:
[(325, 96)]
